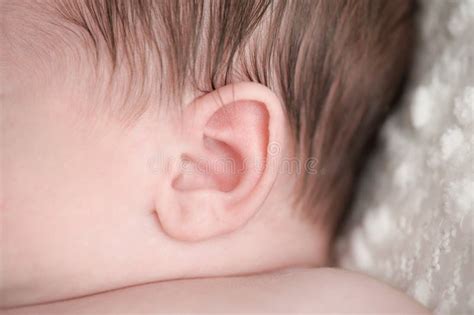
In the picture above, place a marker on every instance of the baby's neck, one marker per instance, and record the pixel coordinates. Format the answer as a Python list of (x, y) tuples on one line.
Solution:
[(135, 258)]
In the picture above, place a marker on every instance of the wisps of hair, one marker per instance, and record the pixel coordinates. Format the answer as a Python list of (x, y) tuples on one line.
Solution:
[(337, 66)]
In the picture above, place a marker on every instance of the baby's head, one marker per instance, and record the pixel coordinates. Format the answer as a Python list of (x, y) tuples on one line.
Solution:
[(154, 140)]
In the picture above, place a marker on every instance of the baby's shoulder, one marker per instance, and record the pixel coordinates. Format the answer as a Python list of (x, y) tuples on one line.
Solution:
[(331, 290), (312, 291)]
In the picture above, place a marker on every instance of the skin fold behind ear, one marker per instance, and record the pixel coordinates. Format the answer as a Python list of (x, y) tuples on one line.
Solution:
[(224, 168)]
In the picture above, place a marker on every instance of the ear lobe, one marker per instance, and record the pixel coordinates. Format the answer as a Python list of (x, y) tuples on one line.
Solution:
[(225, 170)]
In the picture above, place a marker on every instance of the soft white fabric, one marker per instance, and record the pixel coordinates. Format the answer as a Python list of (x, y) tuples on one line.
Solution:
[(413, 220)]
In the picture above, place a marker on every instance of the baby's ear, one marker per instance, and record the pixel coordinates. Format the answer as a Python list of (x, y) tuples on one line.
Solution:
[(231, 153)]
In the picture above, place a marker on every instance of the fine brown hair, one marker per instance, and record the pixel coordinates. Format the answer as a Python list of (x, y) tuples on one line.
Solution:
[(337, 65)]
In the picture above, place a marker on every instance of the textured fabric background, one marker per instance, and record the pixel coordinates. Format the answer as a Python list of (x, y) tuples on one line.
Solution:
[(413, 221)]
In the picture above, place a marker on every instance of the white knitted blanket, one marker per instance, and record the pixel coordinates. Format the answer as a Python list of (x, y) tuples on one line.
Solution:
[(412, 225)]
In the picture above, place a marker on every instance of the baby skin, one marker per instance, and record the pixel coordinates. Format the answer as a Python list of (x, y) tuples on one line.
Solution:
[(129, 187)]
